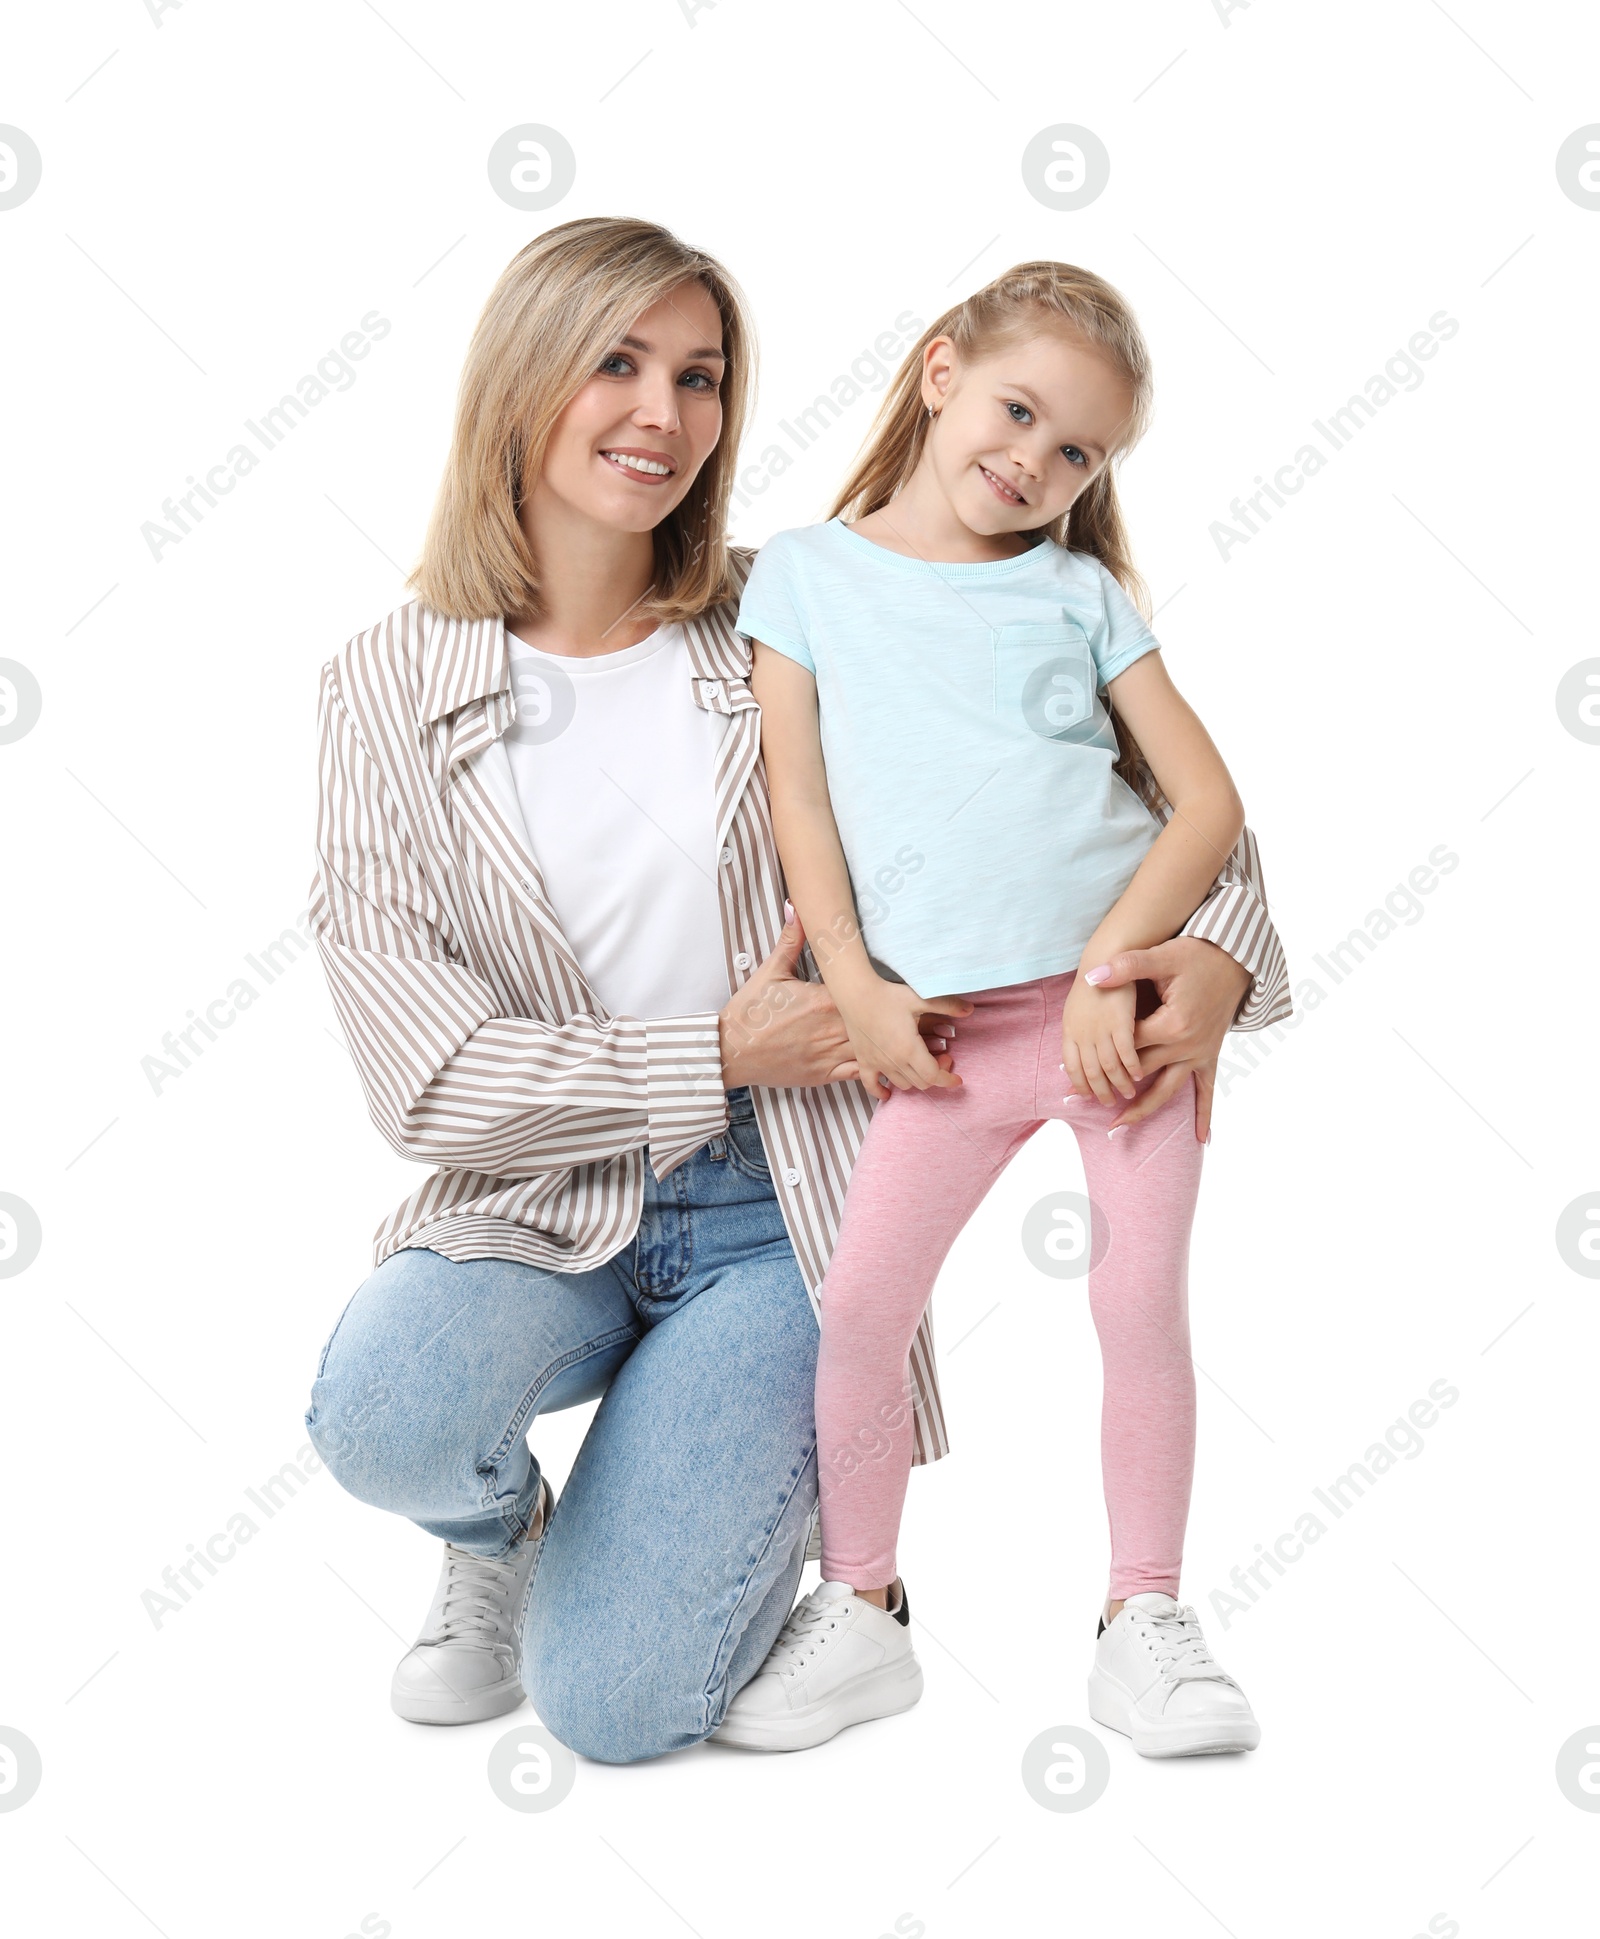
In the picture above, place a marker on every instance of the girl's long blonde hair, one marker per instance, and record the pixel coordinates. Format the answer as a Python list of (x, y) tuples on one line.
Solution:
[(560, 304), (1027, 299)]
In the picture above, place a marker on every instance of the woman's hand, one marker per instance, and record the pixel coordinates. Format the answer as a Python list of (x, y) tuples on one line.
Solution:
[(887, 1023), (780, 1029), (1201, 988), (1098, 1041)]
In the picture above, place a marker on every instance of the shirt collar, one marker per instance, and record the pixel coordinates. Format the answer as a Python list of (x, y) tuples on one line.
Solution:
[(468, 659), (462, 660)]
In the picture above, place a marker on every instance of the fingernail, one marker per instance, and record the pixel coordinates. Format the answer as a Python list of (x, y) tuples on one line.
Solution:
[(1118, 1127), (1098, 975), (788, 912)]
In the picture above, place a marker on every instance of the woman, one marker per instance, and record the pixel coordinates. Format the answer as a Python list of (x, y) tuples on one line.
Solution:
[(550, 911)]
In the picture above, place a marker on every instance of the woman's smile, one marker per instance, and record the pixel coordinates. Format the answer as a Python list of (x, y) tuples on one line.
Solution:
[(644, 467)]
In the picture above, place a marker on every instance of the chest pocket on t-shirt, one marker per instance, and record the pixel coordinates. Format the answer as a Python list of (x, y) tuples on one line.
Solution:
[(1045, 679)]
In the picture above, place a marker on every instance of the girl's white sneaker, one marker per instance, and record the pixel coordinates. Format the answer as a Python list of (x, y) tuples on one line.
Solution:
[(838, 1661), (1155, 1680)]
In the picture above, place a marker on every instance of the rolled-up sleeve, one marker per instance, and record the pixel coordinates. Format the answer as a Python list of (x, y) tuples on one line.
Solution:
[(448, 1078), (1234, 917)]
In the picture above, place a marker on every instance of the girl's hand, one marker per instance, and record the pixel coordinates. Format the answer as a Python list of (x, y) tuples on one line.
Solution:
[(1201, 988), (886, 1037), (1097, 1046)]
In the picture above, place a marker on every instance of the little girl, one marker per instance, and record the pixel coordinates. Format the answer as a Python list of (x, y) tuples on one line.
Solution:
[(965, 724)]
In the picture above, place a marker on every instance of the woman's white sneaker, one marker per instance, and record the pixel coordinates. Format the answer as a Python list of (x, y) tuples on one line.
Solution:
[(467, 1663), (838, 1660), (1155, 1680)]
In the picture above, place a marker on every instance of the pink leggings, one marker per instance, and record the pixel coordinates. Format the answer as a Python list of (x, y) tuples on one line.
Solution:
[(928, 1160)]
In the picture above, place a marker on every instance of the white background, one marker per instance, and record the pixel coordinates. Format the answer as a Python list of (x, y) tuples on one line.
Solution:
[(1294, 191)]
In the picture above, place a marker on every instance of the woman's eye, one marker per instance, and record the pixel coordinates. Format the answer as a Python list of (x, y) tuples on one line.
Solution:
[(1019, 413), (701, 380), (616, 365)]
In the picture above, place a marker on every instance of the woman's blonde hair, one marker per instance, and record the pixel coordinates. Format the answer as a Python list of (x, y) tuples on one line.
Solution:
[(1027, 299), (560, 304)]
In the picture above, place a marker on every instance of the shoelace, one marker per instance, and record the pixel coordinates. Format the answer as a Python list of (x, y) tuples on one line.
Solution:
[(806, 1622), (473, 1608), (1180, 1649)]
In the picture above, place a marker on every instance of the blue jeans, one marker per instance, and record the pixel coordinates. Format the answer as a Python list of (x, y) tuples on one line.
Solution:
[(675, 1550)]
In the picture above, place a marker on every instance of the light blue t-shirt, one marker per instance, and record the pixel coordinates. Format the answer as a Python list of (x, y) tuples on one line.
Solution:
[(968, 746)]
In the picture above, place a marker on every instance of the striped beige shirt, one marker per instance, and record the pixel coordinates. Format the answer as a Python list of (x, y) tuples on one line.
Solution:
[(481, 1048)]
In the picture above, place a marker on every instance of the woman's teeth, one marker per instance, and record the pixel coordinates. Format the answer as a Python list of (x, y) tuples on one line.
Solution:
[(647, 465)]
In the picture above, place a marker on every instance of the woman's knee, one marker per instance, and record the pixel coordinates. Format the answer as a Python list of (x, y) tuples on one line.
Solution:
[(616, 1707), (620, 1681), (377, 1431), (617, 1666), (353, 1426)]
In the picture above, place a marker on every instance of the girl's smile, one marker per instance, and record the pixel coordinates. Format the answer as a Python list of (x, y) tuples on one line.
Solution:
[(1007, 494)]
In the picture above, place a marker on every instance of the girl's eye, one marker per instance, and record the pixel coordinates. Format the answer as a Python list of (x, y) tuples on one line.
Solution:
[(1074, 456), (1019, 413), (701, 380), (616, 365)]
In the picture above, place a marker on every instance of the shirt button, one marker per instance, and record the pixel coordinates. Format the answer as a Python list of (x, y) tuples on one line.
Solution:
[(791, 1176), (527, 885), (727, 855), (741, 961)]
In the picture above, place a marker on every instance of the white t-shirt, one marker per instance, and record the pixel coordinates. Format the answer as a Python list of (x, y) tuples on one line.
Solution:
[(613, 764)]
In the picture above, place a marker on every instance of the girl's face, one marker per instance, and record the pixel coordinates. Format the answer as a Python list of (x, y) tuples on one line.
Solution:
[(1020, 432), (626, 449)]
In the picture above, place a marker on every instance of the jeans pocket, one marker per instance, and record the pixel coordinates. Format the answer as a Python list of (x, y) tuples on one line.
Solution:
[(745, 1148)]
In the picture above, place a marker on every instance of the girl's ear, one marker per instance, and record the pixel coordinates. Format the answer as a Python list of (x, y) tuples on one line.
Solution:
[(938, 367)]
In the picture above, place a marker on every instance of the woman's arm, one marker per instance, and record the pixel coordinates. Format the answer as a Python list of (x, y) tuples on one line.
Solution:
[(451, 1080), (1204, 824), (1235, 917), (448, 1077), (881, 1017)]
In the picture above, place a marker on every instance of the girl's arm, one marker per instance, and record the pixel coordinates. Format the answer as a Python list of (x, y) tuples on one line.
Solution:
[(1170, 883), (880, 1016)]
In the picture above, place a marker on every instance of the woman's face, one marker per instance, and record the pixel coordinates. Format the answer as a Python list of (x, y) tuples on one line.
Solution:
[(626, 449)]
